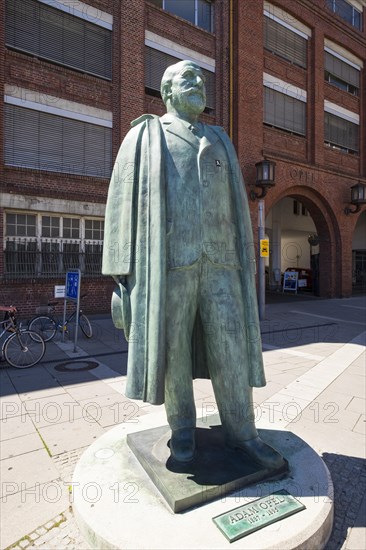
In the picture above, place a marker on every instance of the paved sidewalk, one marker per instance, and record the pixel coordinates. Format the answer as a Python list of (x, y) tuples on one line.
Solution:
[(314, 352)]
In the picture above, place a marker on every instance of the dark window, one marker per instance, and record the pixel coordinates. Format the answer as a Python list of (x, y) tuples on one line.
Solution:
[(284, 112), (20, 258), (50, 226), (299, 208), (347, 12), (341, 134), (21, 225), (284, 42), (93, 259), (71, 228), (341, 74), (71, 255), (51, 34), (48, 142), (155, 64), (50, 257), (198, 12), (94, 229), (359, 270)]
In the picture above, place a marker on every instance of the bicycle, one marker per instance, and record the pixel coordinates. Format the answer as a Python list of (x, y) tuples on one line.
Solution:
[(23, 348), (47, 325)]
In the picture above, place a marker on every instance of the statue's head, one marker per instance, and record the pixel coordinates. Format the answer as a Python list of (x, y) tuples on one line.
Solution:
[(183, 89)]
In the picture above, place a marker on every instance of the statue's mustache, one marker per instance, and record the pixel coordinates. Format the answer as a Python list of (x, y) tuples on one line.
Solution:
[(194, 90)]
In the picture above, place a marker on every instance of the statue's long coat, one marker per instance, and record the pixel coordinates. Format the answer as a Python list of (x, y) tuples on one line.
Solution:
[(135, 253)]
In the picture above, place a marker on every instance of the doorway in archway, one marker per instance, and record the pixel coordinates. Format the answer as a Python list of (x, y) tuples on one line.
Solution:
[(294, 246), (359, 255)]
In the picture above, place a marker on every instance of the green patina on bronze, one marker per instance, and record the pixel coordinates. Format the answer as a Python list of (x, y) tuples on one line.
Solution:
[(179, 244), (243, 520)]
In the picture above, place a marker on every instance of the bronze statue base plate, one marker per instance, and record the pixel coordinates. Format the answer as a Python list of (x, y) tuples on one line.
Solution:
[(215, 471)]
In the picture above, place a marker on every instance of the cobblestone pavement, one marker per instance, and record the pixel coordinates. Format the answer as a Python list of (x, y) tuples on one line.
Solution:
[(61, 533), (349, 481)]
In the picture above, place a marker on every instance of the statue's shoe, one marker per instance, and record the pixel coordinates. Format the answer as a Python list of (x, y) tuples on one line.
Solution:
[(182, 445), (261, 453)]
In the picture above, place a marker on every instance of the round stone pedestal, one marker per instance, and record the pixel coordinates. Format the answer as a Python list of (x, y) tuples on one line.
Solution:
[(117, 505)]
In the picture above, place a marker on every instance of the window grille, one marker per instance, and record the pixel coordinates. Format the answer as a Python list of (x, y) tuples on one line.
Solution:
[(42, 141), (197, 12), (157, 61), (341, 134), (341, 74), (284, 112), (284, 42), (51, 34), (44, 245)]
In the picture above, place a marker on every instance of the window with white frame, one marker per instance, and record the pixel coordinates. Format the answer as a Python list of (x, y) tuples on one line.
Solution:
[(198, 12), (347, 12), (44, 141), (156, 61), (47, 245), (341, 73), (48, 32)]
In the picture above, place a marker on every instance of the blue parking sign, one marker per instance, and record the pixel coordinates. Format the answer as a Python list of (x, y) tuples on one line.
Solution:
[(72, 284)]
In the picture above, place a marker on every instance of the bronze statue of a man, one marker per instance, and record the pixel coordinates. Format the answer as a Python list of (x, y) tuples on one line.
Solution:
[(178, 242)]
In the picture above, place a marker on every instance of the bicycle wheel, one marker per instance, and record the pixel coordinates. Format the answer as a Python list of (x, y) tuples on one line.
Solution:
[(45, 326), (24, 349), (85, 325)]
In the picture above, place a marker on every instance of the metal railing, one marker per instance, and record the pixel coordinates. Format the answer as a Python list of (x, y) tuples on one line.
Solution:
[(27, 258)]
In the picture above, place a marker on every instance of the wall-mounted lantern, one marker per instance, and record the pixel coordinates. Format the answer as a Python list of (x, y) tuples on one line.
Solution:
[(358, 198), (313, 240), (265, 178)]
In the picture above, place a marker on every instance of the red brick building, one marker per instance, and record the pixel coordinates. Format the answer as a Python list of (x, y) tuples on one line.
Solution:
[(285, 79), (311, 73)]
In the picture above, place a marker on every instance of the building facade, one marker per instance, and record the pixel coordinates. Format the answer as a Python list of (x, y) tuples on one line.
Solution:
[(310, 79), (286, 80)]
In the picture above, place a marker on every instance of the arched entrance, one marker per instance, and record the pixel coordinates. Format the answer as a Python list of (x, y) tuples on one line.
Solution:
[(303, 233)]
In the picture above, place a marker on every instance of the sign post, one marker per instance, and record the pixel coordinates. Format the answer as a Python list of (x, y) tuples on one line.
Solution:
[(72, 293), (261, 267)]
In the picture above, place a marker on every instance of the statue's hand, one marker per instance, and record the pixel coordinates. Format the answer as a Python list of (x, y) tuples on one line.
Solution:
[(121, 309)]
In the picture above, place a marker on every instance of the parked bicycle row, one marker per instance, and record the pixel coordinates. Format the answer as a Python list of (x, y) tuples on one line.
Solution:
[(48, 324), (24, 346)]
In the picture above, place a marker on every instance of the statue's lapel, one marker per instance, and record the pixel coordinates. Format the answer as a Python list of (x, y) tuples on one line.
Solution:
[(209, 138), (175, 126)]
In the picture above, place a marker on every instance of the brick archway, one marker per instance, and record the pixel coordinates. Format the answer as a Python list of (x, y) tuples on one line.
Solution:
[(330, 242)]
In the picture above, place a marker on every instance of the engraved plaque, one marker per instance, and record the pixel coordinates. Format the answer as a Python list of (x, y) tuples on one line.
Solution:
[(246, 519)]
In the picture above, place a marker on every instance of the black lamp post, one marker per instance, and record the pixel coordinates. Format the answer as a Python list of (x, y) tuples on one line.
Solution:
[(358, 198), (265, 178)]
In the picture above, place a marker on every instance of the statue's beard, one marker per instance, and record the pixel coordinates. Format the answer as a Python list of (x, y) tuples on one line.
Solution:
[(193, 101)]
